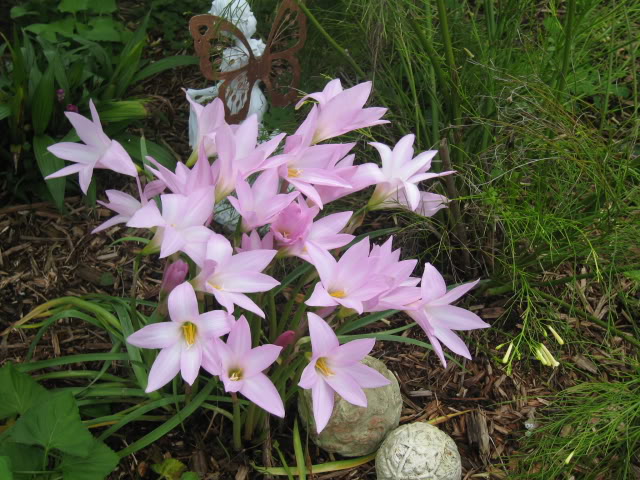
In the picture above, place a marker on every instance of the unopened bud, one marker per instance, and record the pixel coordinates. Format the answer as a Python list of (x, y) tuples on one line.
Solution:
[(285, 338), (60, 94), (72, 108), (174, 275)]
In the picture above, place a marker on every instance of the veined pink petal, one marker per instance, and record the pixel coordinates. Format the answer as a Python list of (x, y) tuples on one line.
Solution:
[(454, 294), (323, 400), (320, 297), (219, 249), (115, 220), (433, 285), (454, 318), (172, 242), (347, 387), (323, 339), (147, 217), (68, 170), (210, 360), (366, 377), (309, 376), (165, 367), (183, 304), (403, 151), (260, 358), (156, 335), (75, 152), (85, 178), (452, 341), (242, 301), (190, 362), (239, 339), (89, 132), (263, 393), (214, 324), (245, 282), (117, 159), (413, 195), (324, 263), (352, 352), (255, 260)]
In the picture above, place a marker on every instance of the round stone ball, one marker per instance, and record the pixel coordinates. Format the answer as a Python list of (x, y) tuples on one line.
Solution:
[(353, 431), (418, 451)]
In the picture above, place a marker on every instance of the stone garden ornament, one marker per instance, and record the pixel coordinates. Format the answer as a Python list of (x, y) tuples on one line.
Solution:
[(240, 64)]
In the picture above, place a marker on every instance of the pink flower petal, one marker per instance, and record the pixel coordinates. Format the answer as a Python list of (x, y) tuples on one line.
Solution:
[(366, 377), (323, 400), (433, 285), (347, 387), (309, 376), (239, 340), (323, 340), (452, 341), (454, 318), (352, 352), (156, 335), (214, 324), (260, 358), (190, 362), (183, 304), (263, 393), (165, 367), (454, 294)]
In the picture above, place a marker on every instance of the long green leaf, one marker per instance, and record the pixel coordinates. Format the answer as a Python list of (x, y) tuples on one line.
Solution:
[(364, 321), (42, 102), (48, 163), (71, 359), (299, 452), (170, 424), (164, 64), (321, 468)]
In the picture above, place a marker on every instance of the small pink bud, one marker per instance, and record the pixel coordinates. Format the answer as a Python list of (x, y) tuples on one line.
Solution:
[(72, 108), (285, 338), (174, 275), (60, 94)]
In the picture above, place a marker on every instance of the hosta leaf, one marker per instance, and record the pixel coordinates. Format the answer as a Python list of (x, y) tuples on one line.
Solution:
[(99, 463), (54, 424), (103, 6), (5, 468), (18, 392), (42, 102), (73, 6)]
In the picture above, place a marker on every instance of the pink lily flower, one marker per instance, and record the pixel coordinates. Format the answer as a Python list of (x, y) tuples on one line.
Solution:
[(438, 318), (239, 155), (336, 368), (341, 111), (185, 180), (260, 203), (401, 172), (349, 282), (182, 340), (98, 151), (294, 229), (401, 285), (208, 118), (228, 277), (240, 367), (254, 242), (359, 177), (180, 226), (126, 205)]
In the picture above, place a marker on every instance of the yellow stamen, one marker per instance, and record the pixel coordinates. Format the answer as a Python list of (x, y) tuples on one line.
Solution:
[(235, 374), (323, 368), (338, 293), (216, 286), (189, 331), (294, 172)]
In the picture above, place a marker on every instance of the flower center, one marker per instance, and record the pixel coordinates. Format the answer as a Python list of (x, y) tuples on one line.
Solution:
[(189, 331), (235, 374), (323, 367), (294, 172), (338, 293), (215, 285)]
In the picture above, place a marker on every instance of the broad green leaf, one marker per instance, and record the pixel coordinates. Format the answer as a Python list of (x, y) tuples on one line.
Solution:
[(49, 30), (103, 29), (165, 64), (99, 463), (103, 6), (190, 476), (20, 11), (48, 164), (54, 424), (123, 110), (23, 458), (73, 6), (18, 392), (42, 102), (169, 469), (5, 468), (131, 144)]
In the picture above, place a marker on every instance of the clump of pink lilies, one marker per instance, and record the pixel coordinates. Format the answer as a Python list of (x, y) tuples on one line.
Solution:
[(279, 189)]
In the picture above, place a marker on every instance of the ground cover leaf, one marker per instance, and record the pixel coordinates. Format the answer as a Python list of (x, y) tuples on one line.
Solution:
[(100, 461), (22, 458), (18, 392), (54, 424)]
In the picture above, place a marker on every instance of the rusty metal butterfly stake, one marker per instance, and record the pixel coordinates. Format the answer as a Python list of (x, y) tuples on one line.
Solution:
[(278, 68)]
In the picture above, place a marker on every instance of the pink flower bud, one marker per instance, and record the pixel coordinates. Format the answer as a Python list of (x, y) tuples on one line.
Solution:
[(174, 275), (72, 108), (60, 94), (285, 338)]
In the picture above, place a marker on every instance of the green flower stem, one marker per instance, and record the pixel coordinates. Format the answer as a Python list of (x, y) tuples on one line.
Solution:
[(273, 318), (237, 424), (568, 41), (250, 422)]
